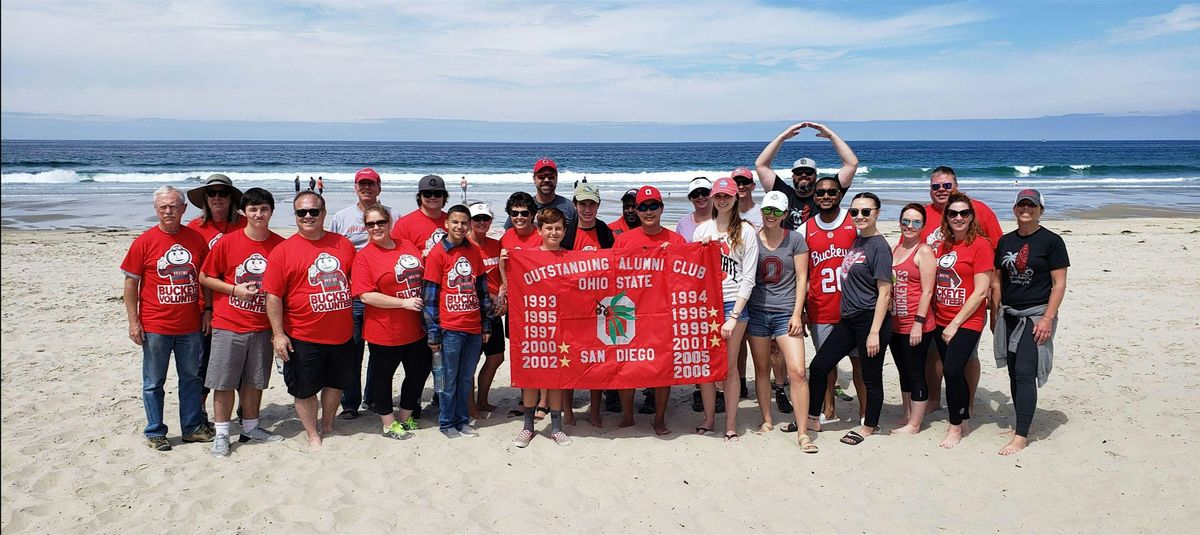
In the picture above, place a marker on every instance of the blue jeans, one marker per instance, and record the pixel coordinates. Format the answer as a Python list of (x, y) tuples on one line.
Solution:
[(156, 358), (460, 356), (351, 400)]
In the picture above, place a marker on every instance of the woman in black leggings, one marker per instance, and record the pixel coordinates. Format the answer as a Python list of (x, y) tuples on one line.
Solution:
[(913, 272), (1031, 282), (866, 280)]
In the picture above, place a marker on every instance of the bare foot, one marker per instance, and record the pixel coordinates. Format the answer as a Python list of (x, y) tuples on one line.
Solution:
[(1009, 433), (867, 431), (626, 422), (932, 408), (765, 427), (314, 443), (569, 418), (954, 435), (814, 425), (1017, 443), (907, 430), (595, 419), (327, 429), (660, 428), (487, 407)]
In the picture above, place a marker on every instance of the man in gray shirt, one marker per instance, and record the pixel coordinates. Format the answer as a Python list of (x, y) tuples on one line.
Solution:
[(545, 179), (349, 223)]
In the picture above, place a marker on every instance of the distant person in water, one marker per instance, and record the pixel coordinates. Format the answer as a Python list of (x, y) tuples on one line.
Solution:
[(297, 183), (312, 183), (320, 186)]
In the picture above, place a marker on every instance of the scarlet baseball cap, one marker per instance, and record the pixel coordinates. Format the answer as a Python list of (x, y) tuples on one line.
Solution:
[(648, 193), (724, 185), (544, 162), (742, 172), (366, 174)]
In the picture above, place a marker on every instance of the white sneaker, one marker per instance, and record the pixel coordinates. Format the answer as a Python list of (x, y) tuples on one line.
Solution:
[(220, 447), (468, 431)]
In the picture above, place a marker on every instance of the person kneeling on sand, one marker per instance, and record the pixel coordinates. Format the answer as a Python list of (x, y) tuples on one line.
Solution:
[(241, 350)]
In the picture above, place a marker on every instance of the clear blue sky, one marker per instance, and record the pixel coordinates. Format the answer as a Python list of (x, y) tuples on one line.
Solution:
[(729, 61)]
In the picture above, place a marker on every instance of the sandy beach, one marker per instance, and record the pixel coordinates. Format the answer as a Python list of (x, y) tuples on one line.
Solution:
[(1111, 450)]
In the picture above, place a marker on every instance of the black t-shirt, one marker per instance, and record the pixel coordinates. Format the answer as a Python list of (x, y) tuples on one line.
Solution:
[(1024, 264), (800, 208), (867, 261)]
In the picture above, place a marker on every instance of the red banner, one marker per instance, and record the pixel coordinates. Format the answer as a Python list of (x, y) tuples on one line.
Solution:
[(616, 318)]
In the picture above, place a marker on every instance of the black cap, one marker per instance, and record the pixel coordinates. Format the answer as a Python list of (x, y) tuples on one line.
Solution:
[(432, 183), (629, 195)]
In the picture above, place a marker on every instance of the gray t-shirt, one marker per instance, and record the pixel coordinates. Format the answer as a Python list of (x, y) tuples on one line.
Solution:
[(867, 261), (562, 203), (349, 223), (775, 288)]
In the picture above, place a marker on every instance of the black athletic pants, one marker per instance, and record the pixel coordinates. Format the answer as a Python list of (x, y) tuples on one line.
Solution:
[(849, 333), (1022, 374), (418, 362), (910, 363), (954, 362)]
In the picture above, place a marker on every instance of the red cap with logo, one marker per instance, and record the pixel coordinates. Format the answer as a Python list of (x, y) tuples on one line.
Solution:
[(648, 193), (366, 174), (545, 162), (723, 185)]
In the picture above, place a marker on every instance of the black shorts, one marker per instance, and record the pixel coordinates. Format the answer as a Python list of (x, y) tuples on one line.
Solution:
[(312, 367), (495, 343)]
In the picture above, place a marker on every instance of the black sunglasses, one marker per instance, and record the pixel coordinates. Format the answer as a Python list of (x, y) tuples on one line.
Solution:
[(700, 193), (805, 172), (518, 213), (648, 207), (308, 212), (376, 223), (743, 181), (944, 185), (866, 212), (482, 218), (429, 194), (833, 192), (222, 193), (951, 214)]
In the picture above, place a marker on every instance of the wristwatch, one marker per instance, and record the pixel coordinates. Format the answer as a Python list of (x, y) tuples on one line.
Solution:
[(919, 320)]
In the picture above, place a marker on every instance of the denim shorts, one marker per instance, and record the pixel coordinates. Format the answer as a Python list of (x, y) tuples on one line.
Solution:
[(743, 318), (766, 324)]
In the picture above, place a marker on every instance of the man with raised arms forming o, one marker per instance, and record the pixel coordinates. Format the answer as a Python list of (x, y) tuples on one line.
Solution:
[(308, 303), (162, 302), (241, 341), (801, 203)]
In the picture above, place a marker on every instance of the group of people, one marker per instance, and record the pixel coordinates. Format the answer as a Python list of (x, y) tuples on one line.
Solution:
[(314, 184), (428, 292)]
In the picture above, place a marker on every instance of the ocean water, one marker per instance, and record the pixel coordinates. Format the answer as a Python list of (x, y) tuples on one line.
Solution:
[(62, 184)]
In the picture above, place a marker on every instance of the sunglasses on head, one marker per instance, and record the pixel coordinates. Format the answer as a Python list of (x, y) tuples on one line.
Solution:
[(649, 207), (377, 223), (772, 211), (866, 212), (222, 193), (832, 192), (915, 224), (481, 218), (951, 214), (944, 185), (308, 212), (805, 172), (518, 213), (699, 194), (429, 194)]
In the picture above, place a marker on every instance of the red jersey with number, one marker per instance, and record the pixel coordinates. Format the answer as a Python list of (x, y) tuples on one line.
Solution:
[(167, 267), (513, 241), (313, 279), (396, 272), (932, 231), (420, 229), (906, 294), (489, 251), (454, 272), (828, 244), (957, 266), (638, 238), (237, 259)]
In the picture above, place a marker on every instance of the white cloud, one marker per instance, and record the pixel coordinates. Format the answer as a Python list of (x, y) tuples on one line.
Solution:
[(1182, 19)]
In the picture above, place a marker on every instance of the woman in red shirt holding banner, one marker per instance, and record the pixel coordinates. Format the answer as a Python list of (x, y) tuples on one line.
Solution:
[(387, 277), (964, 260), (522, 235), (739, 262)]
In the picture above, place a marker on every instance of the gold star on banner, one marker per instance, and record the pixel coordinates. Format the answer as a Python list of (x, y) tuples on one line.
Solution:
[(563, 347), (715, 341), (714, 326), (712, 312), (564, 362)]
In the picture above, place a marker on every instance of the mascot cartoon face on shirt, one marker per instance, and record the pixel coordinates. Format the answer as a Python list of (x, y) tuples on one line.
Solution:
[(176, 265), (326, 273)]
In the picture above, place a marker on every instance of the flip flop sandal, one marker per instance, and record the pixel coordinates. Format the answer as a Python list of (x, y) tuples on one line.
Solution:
[(732, 437), (853, 438), (807, 446), (789, 427), (540, 413), (703, 430)]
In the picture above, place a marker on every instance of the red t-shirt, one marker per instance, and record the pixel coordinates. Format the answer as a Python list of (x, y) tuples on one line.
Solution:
[(619, 226), (586, 240), (932, 231), (167, 267), (513, 241), (489, 251), (312, 278), (638, 238), (957, 266), (237, 259), (454, 272), (395, 272), (420, 229), (827, 247), (212, 231)]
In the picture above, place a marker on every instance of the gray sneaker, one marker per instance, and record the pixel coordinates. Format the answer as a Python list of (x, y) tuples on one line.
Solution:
[(220, 446), (468, 431), (451, 432), (396, 431), (259, 434)]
